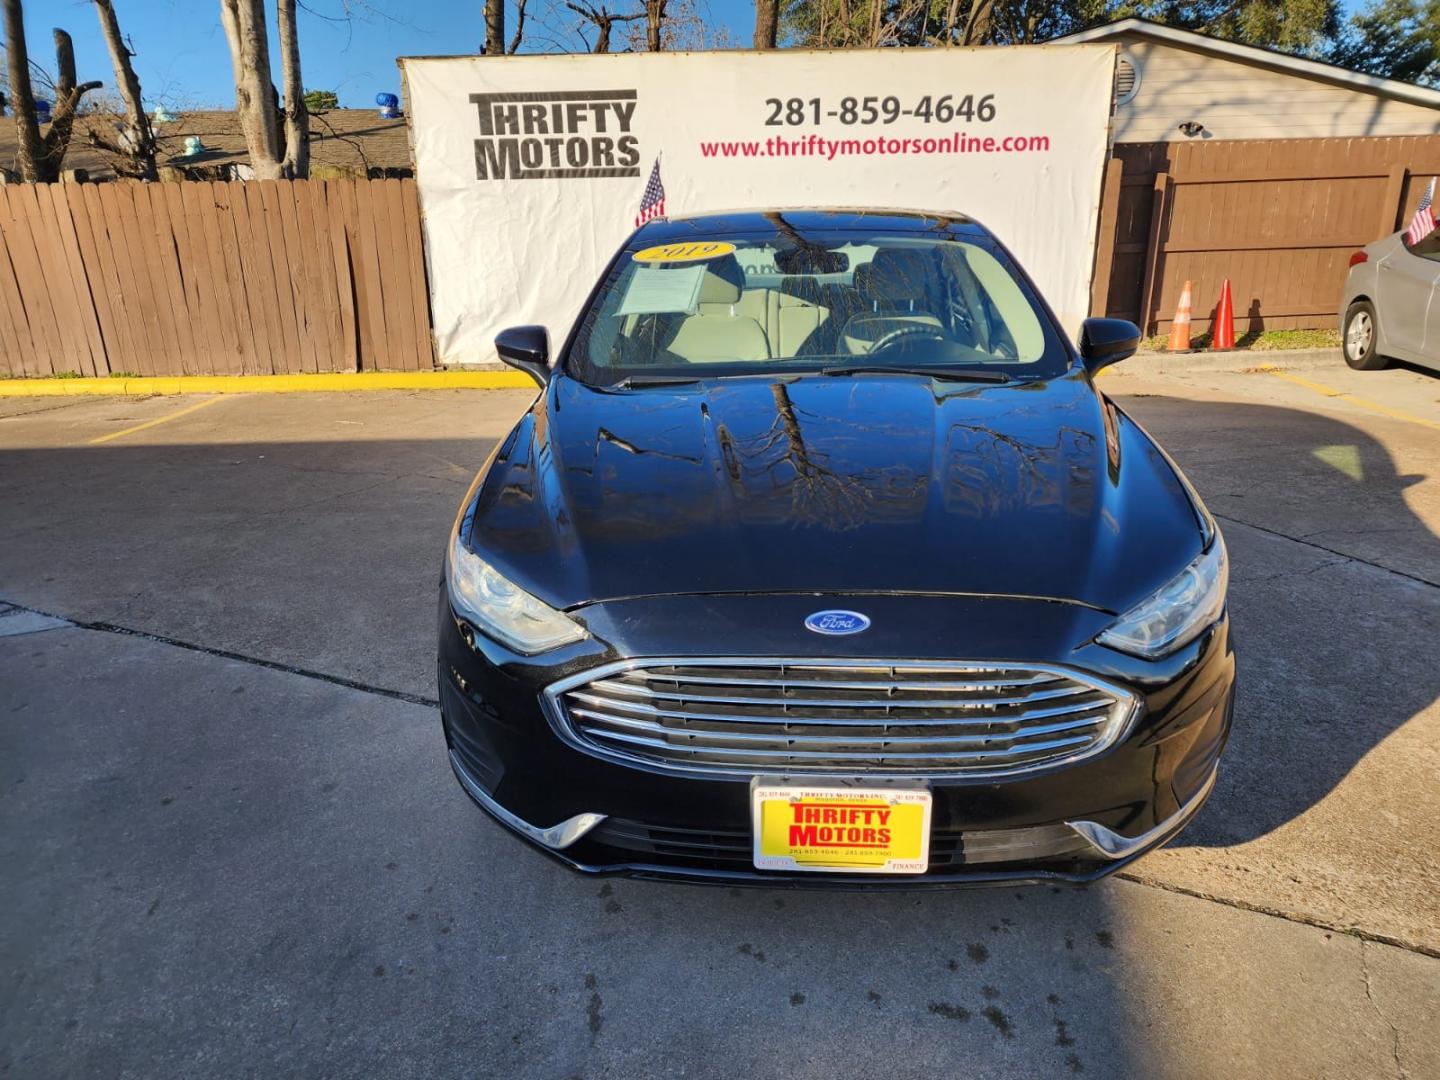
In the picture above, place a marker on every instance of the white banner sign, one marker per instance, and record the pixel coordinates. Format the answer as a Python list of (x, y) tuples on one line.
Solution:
[(531, 169)]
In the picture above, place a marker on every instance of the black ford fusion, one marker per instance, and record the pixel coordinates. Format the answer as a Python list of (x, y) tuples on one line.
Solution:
[(821, 558)]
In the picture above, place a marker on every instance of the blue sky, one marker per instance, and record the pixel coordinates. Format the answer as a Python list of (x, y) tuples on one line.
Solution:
[(182, 57)]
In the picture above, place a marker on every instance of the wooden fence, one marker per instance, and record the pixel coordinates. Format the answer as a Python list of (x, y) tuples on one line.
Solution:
[(269, 277), (1279, 218)]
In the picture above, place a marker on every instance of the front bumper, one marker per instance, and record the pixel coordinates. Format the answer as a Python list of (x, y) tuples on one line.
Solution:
[(1074, 823)]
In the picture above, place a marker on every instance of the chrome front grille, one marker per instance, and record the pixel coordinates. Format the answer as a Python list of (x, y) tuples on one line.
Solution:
[(894, 718)]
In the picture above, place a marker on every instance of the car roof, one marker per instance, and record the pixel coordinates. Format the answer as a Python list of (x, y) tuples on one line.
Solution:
[(802, 220)]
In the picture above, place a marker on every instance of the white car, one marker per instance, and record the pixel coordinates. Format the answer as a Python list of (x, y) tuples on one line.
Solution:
[(1391, 306)]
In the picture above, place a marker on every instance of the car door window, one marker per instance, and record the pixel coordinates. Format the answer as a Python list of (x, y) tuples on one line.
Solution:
[(1429, 248)]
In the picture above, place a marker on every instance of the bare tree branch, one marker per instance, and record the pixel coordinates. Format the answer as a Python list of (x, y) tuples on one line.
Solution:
[(139, 136), (354, 144), (603, 19), (519, 27), (952, 13)]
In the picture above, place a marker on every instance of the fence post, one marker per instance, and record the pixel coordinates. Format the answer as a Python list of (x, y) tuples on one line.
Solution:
[(1152, 251), (1105, 238), (1392, 209)]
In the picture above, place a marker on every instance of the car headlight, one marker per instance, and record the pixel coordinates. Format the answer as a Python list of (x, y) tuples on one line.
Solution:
[(1177, 613), (500, 609)]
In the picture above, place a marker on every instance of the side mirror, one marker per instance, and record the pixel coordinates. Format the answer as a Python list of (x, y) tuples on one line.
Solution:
[(1107, 341), (528, 349)]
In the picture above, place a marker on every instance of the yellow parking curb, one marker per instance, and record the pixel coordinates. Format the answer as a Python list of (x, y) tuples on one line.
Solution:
[(336, 382)]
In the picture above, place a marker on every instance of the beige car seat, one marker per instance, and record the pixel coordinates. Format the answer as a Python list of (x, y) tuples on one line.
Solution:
[(718, 332), (799, 315)]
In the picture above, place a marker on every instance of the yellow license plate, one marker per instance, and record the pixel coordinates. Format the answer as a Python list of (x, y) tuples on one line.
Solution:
[(840, 829)]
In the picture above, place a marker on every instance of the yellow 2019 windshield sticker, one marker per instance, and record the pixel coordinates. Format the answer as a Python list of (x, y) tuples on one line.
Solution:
[(690, 251)]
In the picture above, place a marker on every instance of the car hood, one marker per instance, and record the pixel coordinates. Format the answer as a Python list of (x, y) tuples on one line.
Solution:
[(837, 485)]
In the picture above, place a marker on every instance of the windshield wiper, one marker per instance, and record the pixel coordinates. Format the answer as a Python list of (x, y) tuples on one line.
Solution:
[(948, 374), (944, 374), (655, 380)]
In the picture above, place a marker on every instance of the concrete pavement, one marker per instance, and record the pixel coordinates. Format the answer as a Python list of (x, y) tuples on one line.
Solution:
[(301, 529), (225, 869), (1328, 493), (258, 862)]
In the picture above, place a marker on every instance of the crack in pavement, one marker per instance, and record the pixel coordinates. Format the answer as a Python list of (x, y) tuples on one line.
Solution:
[(77, 400), (1282, 913), (1343, 560), (226, 654), (1321, 547), (1400, 529), (1400, 1070)]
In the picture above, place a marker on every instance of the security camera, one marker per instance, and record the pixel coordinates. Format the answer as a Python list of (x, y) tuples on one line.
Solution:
[(1190, 128)]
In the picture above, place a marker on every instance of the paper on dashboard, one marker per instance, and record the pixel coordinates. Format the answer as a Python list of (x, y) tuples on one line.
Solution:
[(657, 291)]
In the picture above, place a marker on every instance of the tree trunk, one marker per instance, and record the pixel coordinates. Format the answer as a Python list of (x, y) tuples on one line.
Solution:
[(842, 36), (139, 136), (494, 27), (67, 103), (297, 116), (654, 16), (767, 23), (40, 157), (22, 95), (979, 24), (244, 22), (602, 39)]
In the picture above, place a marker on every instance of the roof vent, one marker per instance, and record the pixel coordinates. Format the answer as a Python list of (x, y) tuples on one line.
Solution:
[(1127, 79), (162, 115), (389, 106), (193, 145)]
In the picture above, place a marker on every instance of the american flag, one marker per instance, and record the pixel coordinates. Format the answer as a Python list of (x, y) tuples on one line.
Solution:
[(652, 203), (1423, 223)]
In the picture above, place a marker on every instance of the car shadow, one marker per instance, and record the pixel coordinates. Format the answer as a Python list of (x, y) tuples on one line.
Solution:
[(1432, 373), (1333, 584)]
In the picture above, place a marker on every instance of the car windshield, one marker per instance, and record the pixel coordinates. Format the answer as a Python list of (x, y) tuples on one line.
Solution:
[(804, 302)]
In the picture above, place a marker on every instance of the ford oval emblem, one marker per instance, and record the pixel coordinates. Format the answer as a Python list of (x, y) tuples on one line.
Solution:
[(837, 622)]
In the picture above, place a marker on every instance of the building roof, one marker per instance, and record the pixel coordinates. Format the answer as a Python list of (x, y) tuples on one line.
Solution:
[(1144, 29), (355, 139)]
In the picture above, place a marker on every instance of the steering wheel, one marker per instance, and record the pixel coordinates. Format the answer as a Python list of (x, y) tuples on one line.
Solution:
[(900, 333)]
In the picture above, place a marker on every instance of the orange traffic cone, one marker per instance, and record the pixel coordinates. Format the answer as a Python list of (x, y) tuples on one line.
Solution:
[(1222, 333), (1180, 328)]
